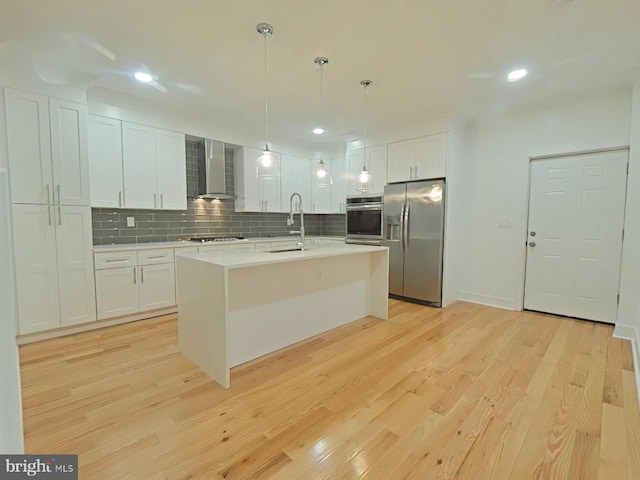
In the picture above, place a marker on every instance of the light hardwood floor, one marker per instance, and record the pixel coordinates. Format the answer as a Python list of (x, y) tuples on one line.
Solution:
[(465, 392)]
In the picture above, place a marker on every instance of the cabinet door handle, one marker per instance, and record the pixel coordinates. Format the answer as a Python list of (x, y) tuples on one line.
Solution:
[(58, 188), (266, 205), (141, 274), (48, 194), (49, 210), (161, 200), (120, 198), (59, 215), (155, 200), (416, 172), (134, 275)]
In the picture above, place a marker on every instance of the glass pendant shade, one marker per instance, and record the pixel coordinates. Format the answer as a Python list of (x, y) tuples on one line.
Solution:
[(267, 165), (321, 176), (363, 179)]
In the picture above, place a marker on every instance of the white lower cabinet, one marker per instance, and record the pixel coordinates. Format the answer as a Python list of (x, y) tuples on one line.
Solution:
[(54, 269), (157, 287), (116, 292), (128, 283)]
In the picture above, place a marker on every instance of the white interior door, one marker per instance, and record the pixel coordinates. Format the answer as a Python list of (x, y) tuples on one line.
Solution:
[(574, 243)]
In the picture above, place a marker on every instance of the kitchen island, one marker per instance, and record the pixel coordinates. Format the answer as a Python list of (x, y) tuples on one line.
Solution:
[(239, 305)]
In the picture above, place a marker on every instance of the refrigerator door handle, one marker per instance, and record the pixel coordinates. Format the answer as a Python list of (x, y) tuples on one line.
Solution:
[(405, 227), (402, 225)]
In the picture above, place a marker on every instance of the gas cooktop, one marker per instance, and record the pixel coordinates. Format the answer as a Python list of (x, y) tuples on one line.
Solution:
[(217, 239)]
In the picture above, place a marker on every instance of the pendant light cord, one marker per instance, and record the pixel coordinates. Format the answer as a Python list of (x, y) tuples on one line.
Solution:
[(321, 95), (266, 96), (364, 140)]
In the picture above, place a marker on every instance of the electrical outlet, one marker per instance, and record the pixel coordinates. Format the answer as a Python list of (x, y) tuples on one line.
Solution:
[(131, 222)]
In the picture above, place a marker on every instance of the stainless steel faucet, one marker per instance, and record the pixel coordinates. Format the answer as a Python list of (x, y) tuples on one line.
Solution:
[(290, 220)]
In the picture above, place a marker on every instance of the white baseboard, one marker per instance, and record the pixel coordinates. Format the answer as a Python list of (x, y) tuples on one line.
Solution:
[(631, 334), (500, 302), (85, 327)]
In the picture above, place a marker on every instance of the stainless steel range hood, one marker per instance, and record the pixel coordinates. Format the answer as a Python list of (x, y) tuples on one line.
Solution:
[(212, 172)]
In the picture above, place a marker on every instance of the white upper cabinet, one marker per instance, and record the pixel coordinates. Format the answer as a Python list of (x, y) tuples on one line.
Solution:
[(172, 170), (136, 166), (254, 194), (29, 146), (355, 162), (401, 161), (139, 160), (418, 159), (375, 159), (339, 178), (69, 152), (47, 146), (431, 157), (105, 162), (296, 176), (154, 166)]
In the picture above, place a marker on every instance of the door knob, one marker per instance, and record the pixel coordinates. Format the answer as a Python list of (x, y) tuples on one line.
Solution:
[(532, 244), (533, 234)]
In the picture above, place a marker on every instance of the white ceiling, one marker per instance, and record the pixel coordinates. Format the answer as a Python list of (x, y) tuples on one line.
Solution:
[(426, 58)]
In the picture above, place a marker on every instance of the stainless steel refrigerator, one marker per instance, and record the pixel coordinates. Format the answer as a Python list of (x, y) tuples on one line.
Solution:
[(413, 229)]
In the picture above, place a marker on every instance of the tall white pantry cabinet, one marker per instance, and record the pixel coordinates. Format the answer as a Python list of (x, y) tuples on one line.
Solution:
[(49, 180)]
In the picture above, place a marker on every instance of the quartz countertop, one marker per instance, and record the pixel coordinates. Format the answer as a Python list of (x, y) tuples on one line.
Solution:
[(255, 257), (188, 243)]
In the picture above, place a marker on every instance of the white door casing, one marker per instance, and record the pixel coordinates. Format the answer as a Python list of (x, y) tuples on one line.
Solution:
[(576, 209)]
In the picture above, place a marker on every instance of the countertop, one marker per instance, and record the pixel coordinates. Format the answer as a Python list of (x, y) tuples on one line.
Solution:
[(187, 243), (250, 258)]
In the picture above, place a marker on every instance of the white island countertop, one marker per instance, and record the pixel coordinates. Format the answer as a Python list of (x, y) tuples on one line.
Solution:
[(237, 305), (250, 258)]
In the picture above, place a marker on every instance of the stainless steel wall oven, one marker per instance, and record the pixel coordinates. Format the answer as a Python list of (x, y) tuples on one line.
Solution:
[(364, 219)]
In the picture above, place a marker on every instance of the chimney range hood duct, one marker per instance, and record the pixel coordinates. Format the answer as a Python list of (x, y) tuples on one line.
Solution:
[(211, 172)]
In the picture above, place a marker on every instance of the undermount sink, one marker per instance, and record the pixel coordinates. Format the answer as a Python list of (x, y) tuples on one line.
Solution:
[(279, 250)]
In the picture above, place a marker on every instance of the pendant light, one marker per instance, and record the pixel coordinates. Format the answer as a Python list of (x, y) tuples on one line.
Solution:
[(321, 176), (267, 164), (364, 177)]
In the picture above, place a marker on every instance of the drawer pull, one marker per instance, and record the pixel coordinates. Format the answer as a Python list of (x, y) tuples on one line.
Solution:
[(156, 256), (116, 260)]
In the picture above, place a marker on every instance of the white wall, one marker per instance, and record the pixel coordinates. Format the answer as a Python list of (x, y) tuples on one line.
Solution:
[(495, 180), (454, 213), (11, 436), (628, 323)]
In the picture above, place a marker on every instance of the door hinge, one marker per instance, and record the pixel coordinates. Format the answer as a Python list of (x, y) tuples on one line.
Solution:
[(618, 299), (627, 168), (623, 234)]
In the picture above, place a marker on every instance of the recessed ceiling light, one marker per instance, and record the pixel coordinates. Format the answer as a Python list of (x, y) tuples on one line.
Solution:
[(516, 75), (143, 77), (318, 130)]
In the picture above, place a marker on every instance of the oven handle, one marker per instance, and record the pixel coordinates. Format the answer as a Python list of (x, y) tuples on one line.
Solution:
[(365, 206)]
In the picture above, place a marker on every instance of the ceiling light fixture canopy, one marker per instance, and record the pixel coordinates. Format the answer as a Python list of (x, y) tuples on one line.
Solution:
[(364, 177), (321, 177), (267, 166)]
